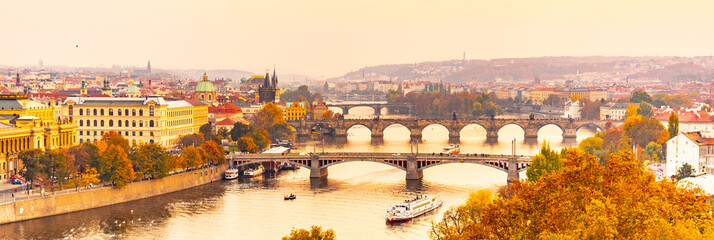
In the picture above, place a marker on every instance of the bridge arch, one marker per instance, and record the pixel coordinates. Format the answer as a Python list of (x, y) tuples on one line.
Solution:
[(351, 127), (514, 127), (473, 130), (335, 109), (304, 163), (548, 126), (349, 109), (590, 126), (396, 163), (397, 130), (495, 165), (436, 128)]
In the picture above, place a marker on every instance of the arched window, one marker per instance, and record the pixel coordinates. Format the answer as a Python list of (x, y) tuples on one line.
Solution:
[(95, 122), (133, 112), (141, 112), (126, 112), (119, 112), (81, 112), (151, 123), (210, 97), (80, 121), (101, 112), (111, 123), (71, 110), (81, 141), (151, 110), (151, 141), (102, 123), (141, 123), (94, 112), (119, 123), (111, 112), (133, 123), (126, 123)]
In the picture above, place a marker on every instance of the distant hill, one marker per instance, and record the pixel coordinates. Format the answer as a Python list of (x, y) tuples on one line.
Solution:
[(526, 69)]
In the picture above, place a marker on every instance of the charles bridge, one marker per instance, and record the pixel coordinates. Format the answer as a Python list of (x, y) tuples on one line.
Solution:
[(393, 108), (413, 164), (339, 127)]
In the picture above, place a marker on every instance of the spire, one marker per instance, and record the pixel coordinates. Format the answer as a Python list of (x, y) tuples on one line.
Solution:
[(266, 81), (148, 67), (275, 79), (17, 80)]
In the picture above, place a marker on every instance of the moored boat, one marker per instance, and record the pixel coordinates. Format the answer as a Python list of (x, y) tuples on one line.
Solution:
[(453, 149), (254, 172), (411, 208), (231, 173)]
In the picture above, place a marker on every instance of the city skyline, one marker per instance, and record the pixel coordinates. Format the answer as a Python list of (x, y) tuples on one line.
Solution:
[(328, 39)]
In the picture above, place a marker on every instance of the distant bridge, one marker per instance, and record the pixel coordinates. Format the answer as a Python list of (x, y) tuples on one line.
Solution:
[(530, 127), (394, 108), (413, 164)]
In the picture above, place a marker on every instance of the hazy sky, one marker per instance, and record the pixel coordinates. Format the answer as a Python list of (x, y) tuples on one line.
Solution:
[(331, 37)]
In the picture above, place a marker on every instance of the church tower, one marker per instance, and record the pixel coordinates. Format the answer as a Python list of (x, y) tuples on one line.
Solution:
[(148, 67), (83, 90), (106, 89), (266, 93)]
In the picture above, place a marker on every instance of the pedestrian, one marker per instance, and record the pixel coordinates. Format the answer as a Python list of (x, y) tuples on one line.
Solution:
[(13, 196), (15, 189)]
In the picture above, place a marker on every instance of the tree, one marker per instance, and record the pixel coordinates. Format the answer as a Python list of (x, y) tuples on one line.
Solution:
[(114, 138), (193, 140), (55, 166), (574, 98), (639, 96), (554, 100), (653, 152), (592, 145), (329, 114), (207, 131), (645, 109), (115, 166), (632, 110), (260, 137), (588, 201), (279, 131), (151, 159), (706, 108), (544, 162), (315, 233), (239, 130), (644, 130), (214, 153), (268, 115), (590, 110), (684, 171), (673, 125), (458, 219), (193, 156), (32, 170), (246, 144)]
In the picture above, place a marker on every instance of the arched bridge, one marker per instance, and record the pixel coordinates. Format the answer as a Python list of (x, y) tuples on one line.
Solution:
[(394, 108), (413, 164), (530, 127)]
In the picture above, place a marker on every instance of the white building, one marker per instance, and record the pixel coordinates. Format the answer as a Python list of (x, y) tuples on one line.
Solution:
[(691, 148), (613, 111), (572, 109)]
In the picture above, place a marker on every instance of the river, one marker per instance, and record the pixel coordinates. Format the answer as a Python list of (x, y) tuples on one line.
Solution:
[(352, 200)]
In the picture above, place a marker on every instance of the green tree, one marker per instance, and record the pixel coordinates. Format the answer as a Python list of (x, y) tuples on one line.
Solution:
[(207, 131), (706, 108), (151, 159), (639, 96), (239, 130), (645, 109), (673, 125), (315, 233), (592, 145), (115, 166), (684, 171), (544, 162), (55, 166), (33, 169), (279, 131), (644, 130), (193, 140)]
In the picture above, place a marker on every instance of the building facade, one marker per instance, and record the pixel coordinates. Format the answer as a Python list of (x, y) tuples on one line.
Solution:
[(205, 91), (295, 112), (139, 120), (613, 111), (691, 148)]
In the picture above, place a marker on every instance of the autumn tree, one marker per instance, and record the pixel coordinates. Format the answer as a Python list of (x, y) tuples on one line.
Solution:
[(279, 131), (315, 233), (645, 109), (260, 137), (114, 138), (329, 114), (458, 219), (33, 169), (246, 144), (239, 130), (193, 157), (207, 131), (214, 153), (673, 125), (115, 166), (544, 162), (151, 160), (193, 140), (55, 167), (643, 130), (639, 96), (653, 152), (632, 110), (268, 115), (590, 110)]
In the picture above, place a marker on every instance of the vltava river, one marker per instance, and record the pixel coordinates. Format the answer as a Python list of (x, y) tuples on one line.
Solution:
[(352, 200)]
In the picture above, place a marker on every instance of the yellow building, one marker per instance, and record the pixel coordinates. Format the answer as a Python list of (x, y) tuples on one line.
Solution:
[(27, 124), (139, 120), (538, 95), (295, 112)]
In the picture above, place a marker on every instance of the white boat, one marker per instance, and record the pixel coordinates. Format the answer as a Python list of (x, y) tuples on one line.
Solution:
[(254, 172), (412, 208), (453, 149), (231, 173)]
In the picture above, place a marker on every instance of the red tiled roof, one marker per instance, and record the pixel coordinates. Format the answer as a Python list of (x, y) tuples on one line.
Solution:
[(227, 121)]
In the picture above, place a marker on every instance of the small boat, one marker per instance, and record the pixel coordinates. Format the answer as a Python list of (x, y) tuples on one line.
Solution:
[(231, 173), (453, 149), (411, 208), (288, 166), (254, 172), (290, 197)]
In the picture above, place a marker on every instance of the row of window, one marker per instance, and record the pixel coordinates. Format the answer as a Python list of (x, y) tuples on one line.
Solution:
[(180, 122), (95, 141), (126, 133), (100, 112), (100, 123), (180, 113)]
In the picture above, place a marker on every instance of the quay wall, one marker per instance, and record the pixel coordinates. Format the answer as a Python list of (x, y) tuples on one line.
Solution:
[(83, 200)]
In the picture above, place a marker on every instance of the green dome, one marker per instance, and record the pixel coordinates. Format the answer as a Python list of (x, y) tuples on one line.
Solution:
[(205, 86), (132, 89)]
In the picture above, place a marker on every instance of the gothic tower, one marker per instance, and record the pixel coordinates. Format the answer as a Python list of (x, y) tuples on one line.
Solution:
[(106, 89), (266, 93), (148, 67)]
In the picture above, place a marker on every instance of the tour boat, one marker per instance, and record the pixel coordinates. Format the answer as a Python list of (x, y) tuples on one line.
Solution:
[(412, 208), (453, 149), (254, 172), (231, 173), (290, 197)]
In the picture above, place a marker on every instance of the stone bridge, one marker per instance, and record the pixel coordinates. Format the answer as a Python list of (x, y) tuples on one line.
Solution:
[(530, 127), (394, 108), (413, 164)]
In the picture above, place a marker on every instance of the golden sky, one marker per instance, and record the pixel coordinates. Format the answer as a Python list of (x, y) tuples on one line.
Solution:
[(331, 37)]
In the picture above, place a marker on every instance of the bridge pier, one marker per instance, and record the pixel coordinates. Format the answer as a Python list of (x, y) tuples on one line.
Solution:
[(413, 172), (513, 175), (491, 134), (531, 133), (570, 133), (315, 170), (454, 135)]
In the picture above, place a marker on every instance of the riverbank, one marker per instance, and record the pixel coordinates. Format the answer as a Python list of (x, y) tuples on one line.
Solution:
[(21, 210)]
